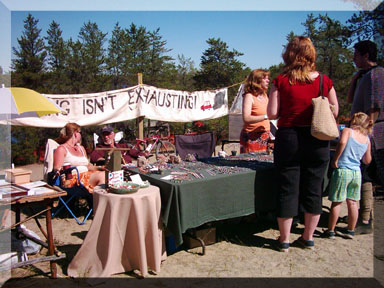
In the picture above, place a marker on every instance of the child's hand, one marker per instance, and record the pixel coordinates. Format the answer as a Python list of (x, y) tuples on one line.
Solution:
[(334, 164)]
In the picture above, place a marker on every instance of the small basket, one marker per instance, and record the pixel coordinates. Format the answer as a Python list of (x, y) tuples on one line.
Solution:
[(124, 188)]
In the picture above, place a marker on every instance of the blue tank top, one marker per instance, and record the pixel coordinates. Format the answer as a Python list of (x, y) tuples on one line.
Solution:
[(352, 154)]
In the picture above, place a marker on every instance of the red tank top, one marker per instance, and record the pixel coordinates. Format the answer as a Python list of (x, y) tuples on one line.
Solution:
[(296, 100)]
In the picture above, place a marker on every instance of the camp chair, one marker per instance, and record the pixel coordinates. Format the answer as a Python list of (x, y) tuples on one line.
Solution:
[(199, 145), (72, 193)]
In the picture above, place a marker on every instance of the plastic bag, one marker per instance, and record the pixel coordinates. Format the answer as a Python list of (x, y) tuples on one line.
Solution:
[(25, 245)]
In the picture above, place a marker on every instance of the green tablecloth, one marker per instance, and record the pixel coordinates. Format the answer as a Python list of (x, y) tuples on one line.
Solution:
[(265, 183), (192, 203)]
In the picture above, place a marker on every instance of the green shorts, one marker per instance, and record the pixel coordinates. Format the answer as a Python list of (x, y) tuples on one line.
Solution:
[(345, 184)]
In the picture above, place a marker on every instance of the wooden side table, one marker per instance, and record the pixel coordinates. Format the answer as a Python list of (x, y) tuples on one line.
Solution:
[(48, 201)]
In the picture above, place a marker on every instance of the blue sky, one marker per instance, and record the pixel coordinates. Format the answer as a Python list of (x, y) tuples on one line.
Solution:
[(256, 28)]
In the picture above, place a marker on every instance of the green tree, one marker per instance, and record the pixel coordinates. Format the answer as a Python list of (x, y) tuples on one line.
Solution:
[(159, 62), (185, 72), (116, 56), (93, 56), (28, 63), (369, 25), (56, 47), (74, 67), (138, 50), (219, 66), (57, 55), (333, 57)]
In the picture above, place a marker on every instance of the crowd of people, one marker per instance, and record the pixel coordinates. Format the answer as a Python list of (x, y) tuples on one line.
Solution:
[(301, 160)]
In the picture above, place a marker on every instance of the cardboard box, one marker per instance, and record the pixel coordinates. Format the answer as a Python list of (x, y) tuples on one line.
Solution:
[(18, 175), (208, 235)]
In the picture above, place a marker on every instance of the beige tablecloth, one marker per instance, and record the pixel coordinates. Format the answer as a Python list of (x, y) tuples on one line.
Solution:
[(125, 234)]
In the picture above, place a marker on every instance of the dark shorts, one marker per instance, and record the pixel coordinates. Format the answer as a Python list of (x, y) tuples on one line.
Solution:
[(301, 161)]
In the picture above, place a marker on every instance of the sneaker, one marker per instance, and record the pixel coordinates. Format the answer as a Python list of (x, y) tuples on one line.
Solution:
[(363, 228), (329, 234), (281, 246), (345, 233), (306, 244)]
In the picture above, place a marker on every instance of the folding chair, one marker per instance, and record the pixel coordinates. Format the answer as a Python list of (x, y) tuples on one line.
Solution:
[(200, 145), (72, 193)]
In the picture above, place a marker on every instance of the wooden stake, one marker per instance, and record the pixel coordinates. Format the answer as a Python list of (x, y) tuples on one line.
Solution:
[(140, 120)]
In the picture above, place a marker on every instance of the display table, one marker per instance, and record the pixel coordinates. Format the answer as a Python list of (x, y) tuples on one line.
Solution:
[(125, 234), (189, 204), (265, 186)]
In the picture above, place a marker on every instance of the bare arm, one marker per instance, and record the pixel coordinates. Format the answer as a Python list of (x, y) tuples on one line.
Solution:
[(367, 157), (274, 103), (345, 133), (247, 110), (332, 98), (58, 158)]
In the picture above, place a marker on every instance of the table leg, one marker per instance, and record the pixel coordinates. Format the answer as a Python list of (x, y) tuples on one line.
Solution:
[(51, 247), (17, 212)]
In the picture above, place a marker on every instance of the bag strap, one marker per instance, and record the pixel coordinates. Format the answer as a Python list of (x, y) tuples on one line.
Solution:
[(321, 87)]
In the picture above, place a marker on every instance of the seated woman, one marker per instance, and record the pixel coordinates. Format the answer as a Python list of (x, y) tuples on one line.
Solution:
[(72, 152)]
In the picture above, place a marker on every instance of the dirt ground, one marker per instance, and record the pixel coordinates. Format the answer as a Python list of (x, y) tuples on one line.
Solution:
[(242, 256)]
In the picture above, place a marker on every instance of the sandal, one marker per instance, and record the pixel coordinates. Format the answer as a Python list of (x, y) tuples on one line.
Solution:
[(306, 244)]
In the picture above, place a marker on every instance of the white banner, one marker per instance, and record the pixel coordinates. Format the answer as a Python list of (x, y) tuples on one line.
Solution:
[(129, 103)]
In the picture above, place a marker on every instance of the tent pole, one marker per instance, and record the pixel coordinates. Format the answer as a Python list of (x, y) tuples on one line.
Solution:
[(140, 120)]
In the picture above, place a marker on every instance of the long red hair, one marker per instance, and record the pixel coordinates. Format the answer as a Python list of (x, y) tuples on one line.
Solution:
[(299, 58)]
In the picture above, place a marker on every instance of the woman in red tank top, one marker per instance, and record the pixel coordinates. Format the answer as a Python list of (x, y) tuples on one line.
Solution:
[(254, 136)]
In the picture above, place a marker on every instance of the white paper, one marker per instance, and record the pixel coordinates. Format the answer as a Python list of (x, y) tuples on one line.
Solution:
[(168, 177), (31, 185), (137, 179), (39, 190), (116, 177)]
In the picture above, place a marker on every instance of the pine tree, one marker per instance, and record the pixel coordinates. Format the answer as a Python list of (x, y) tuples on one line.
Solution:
[(185, 71), (219, 66), (29, 57), (57, 55), (369, 25), (75, 68), (159, 62), (116, 56), (333, 57), (93, 56), (138, 50)]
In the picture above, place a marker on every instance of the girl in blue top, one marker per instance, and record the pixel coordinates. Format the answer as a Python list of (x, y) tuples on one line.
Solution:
[(353, 146)]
